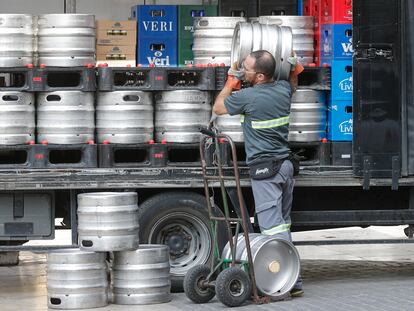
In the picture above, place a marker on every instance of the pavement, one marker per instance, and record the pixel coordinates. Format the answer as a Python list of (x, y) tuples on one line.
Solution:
[(336, 277)]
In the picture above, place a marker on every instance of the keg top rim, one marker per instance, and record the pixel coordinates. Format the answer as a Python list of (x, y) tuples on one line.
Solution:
[(70, 251), (109, 193)]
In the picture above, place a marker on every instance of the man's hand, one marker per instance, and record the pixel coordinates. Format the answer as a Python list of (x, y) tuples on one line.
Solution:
[(233, 83)]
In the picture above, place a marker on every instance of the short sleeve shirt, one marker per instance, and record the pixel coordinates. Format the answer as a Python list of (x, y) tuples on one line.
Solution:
[(265, 109)]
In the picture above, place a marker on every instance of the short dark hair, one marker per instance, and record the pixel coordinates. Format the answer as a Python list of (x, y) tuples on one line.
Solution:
[(265, 63)]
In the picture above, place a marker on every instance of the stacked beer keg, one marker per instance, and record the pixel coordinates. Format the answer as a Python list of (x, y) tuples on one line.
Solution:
[(17, 108), (139, 274), (66, 116)]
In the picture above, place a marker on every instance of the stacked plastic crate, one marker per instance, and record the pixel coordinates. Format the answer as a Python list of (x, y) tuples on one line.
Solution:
[(157, 35), (186, 15), (335, 45)]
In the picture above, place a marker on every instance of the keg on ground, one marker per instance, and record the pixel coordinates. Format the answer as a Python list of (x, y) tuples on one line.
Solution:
[(213, 38), (307, 120), (17, 118), (249, 37), (66, 39), (76, 279), (124, 117), (180, 114), (142, 276), (17, 40), (65, 117), (276, 263), (108, 221), (302, 31)]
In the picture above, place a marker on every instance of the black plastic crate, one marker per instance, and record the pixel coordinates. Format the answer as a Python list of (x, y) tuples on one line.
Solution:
[(279, 7), (341, 153), (49, 79), (65, 156), (180, 154), (16, 79), (179, 78), (17, 156), (312, 153), (132, 155), (244, 8), (124, 78), (315, 78)]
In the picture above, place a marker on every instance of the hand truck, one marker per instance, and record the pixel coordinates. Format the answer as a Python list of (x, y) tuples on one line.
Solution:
[(232, 280)]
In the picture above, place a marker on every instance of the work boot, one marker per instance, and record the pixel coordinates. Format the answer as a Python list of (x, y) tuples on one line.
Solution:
[(296, 292)]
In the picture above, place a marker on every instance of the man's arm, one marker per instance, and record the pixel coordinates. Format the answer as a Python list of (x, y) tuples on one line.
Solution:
[(218, 107)]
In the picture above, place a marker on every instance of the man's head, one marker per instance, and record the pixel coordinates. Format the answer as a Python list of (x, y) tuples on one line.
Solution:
[(259, 67)]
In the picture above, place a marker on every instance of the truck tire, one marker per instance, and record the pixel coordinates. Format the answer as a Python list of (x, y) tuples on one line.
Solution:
[(181, 221)]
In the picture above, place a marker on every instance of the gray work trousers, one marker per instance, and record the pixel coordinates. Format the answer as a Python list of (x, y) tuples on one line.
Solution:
[(273, 199)]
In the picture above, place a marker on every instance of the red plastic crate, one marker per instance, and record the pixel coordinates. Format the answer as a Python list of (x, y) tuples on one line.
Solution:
[(336, 12), (313, 8)]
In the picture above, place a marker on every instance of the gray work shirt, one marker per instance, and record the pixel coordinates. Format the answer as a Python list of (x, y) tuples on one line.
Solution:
[(266, 109)]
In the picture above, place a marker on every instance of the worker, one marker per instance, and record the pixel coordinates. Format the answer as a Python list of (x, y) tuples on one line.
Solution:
[(264, 110)]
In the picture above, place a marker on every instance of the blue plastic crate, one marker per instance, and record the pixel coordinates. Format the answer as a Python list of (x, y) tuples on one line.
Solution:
[(156, 21), (341, 80), (336, 41), (300, 7), (340, 121), (161, 52)]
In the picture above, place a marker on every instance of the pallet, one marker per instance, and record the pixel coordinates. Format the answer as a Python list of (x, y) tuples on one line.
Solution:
[(48, 156), (157, 78), (150, 155), (312, 154)]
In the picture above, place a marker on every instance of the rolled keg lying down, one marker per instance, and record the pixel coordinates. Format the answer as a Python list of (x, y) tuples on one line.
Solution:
[(17, 118), (17, 40), (124, 117), (76, 279), (179, 115), (142, 276), (303, 34), (213, 38), (65, 117), (66, 39), (108, 221), (249, 37), (307, 121), (276, 263)]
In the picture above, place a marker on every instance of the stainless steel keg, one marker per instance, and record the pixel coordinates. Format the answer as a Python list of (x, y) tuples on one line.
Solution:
[(213, 38), (17, 40), (302, 31), (124, 117), (76, 279), (66, 39), (108, 221), (307, 121), (179, 115), (142, 276), (230, 125), (65, 117), (249, 37), (276, 263), (17, 118)]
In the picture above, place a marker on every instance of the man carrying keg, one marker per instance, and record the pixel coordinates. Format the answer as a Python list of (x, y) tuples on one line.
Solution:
[(264, 110)]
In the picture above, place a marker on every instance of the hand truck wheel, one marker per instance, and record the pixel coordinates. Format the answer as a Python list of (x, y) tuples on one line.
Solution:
[(194, 284), (233, 287)]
